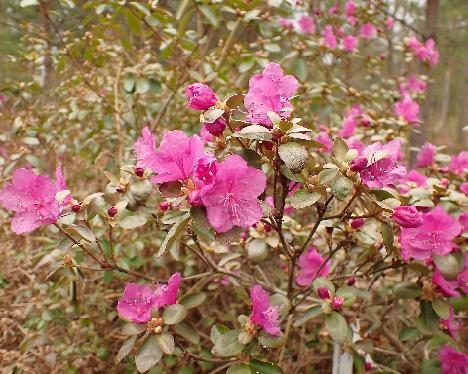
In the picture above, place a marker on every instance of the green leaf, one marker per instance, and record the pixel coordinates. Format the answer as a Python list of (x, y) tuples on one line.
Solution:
[(273, 48), (132, 222), (238, 369), (142, 85), (327, 175), (187, 331), (311, 313), (125, 349), (165, 342), (294, 156), (83, 232), (254, 132), (170, 189), (319, 282), (270, 341), (212, 114), (193, 300), (386, 229), (407, 290), (303, 198), (133, 328), (133, 24), (337, 327), (129, 84), (228, 344), (449, 265), (262, 367), (200, 224), (258, 250), (430, 366), (427, 321), (235, 101), (217, 330), (442, 308), (174, 314), (252, 157), (340, 148), (409, 333), (300, 69), (209, 14), (174, 233), (148, 355), (26, 3), (141, 7), (341, 187)]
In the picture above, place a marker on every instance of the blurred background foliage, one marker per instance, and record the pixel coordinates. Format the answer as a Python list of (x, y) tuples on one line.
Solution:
[(80, 79)]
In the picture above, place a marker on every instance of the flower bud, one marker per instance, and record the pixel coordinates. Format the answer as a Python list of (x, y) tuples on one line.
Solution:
[(337, 303), (358, 164), (367, 366), (267, 227), (217, 127), (444, 182), (139, 172), (356, 223), (200, 96), (120, 189), (76, 208), (112, 211), (350, 281), (163, 205), (407, 216), (323, 292)]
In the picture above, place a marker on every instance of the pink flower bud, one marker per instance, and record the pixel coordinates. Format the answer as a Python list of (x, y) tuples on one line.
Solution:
[(350, 281), (323, 292), (200, 96), (367, 366), (337, 303), (444, 169), (358, 222), (267, 227), (407, 216), (112, 211), (76, 208), (139, 172), (217, 127), (444, 182), (163, 205), (358, 164), (120, 189)]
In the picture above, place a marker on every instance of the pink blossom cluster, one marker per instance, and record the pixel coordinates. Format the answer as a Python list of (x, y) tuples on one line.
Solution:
[(139, 301), (424, 51)]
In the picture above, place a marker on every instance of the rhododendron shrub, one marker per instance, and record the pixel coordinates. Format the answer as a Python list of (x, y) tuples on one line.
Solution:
[(282, 224)]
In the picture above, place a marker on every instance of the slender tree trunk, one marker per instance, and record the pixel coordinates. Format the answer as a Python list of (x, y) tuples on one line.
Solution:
[(430, 31)]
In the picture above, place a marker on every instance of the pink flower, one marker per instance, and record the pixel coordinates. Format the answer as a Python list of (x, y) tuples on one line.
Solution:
[(407, 216), (368, 31), (425, 52), (464, 188), (263, 314), (32, 198), (351, 121), (435, 235), (463, 219), (453, 362), (205, 134), (329, 38), (324, 139), (337, 303), (166, 294), (452, 326), (459, 164), (309, 262), (176, 159), (269, 91), (334, 8), (382, 168), (137, 303), (389, 23), (61, 185), (449, 288), (426, 156), (432, 52), (145, 149), (215, 128), (200, 96), (350, 43), (306, 24), (286, 23), (413, 43), (358, 222), (203, 176), (415, 84), (349, 8), (408, 109), (412, 179), (358, 164), (323, 292), (354, 143), (231, 200)]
